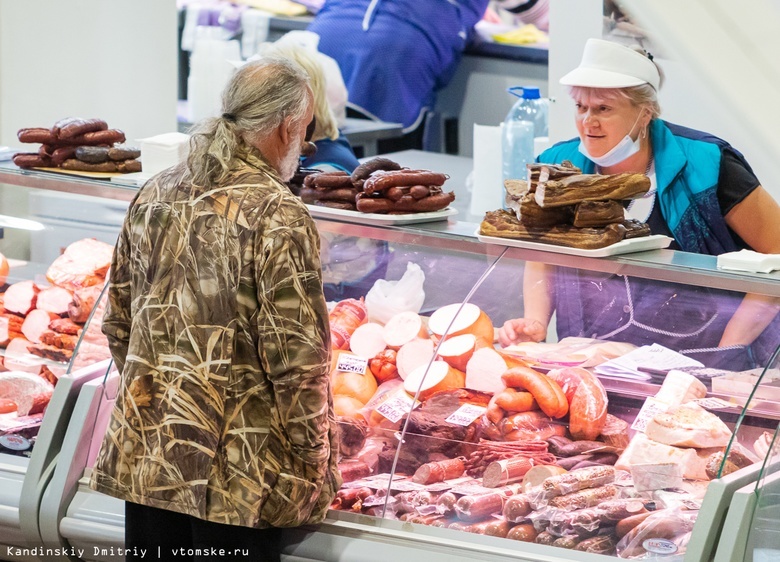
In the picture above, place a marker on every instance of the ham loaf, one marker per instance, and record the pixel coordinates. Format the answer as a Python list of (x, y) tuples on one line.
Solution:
[(83, 264), (29, 392)]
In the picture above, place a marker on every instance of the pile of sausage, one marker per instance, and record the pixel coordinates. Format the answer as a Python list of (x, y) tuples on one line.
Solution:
[(378, 186), (73, 143)]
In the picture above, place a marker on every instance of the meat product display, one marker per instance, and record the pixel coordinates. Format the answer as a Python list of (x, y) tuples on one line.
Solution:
[(438, 471), (688, 425), (65, 326), (20, 298), (29, 392), (74, 126), (591, 187), (82, 302), (504, 224), (345, 317), (560, 206), (36, 323), (547, 393), (377, 186), (32, 160), (91, 154), (78, 144), (642, 450), (82, 264), (381, 181), (405, 204), (364, 170), (55, 300)]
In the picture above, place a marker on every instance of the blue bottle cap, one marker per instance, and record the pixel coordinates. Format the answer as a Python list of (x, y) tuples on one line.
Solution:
[(531, 93)]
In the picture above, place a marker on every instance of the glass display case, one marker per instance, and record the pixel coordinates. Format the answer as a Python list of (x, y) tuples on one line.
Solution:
[(56, 248), (454, 447)]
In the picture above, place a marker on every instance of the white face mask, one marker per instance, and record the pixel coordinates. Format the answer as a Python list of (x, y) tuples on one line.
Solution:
[(626, 148)]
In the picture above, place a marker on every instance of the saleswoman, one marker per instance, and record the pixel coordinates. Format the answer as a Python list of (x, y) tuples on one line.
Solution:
[(703, 194)]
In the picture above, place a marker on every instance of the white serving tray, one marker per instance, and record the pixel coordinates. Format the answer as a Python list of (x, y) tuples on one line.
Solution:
[(377, 219), (641, 244)]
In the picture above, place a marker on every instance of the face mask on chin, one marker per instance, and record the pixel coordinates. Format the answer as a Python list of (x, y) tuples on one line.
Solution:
[(626, 148)]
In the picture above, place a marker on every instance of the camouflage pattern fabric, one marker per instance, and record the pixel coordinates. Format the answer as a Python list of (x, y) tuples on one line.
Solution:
[(217, 322)]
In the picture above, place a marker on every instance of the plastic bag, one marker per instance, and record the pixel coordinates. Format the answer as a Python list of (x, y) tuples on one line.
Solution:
[(387, 298), (664, 534)]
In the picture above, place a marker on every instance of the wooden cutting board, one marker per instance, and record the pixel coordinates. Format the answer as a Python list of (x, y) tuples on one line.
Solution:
[(93, 175)]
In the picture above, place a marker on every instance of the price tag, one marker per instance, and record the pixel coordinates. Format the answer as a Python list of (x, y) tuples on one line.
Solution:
[(692, 504), (650, 408), (471, 490), (406, 486), (448, 484), (712, 403), (466, 414), (352, 364), (396, 407)]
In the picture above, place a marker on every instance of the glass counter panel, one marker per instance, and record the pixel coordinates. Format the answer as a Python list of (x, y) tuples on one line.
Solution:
[(47, 299), (577, 433)]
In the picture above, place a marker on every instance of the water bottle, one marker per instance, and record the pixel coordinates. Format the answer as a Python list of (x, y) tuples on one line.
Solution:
[(526, 121), (530, 106)]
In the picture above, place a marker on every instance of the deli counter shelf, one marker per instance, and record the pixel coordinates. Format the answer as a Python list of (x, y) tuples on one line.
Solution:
[(456, 268)]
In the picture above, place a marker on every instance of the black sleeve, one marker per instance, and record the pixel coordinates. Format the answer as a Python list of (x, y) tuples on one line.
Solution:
[(736, 179)]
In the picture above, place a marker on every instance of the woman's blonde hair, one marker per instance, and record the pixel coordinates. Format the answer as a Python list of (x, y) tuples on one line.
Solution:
[(643, 95), (258, 98), (326, 126)]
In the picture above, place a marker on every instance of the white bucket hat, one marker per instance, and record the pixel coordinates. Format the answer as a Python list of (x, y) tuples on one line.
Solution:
[(606, 64)]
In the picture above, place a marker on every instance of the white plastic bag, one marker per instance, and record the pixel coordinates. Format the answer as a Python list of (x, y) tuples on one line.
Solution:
[(387, 298)]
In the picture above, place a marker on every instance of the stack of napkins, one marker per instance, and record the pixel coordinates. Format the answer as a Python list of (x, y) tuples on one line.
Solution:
[(163, 151), (748, 260)]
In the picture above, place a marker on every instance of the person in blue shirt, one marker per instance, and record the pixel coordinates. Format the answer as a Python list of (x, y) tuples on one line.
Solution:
[(703, 194), (395, 54)]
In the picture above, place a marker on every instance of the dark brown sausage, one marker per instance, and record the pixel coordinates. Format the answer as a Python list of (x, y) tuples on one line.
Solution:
[(78, 165), (74, 126), (92, 154), (63, 153), (406, 204), (331, 180), (345, 194), (36, 134), (128, 166), (32, 160), (123, 153), (382, 181), (367, 168)]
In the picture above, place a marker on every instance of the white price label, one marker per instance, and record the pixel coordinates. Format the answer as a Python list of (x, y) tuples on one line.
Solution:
[(396, 407), (650, 408), (406, 486), (712, 403), (352, 364), (466, 414)]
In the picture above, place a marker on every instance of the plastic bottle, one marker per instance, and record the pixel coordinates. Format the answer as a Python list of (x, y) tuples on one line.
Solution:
[(526, 121)]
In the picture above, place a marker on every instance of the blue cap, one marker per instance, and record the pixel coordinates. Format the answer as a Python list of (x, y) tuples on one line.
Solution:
[(531, 92), (527, 92)]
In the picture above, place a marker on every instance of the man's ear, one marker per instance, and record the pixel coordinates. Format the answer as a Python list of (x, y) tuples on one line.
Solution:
[(286, 131)]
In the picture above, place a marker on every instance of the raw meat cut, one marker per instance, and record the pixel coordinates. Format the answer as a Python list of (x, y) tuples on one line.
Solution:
[(83, 264), (29, 392)]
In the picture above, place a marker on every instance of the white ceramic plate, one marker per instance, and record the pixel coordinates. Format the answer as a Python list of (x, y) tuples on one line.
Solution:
[(377, 219), (641, 244)]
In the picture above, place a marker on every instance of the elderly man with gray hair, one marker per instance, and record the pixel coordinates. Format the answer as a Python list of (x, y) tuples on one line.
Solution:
[(223, 429)]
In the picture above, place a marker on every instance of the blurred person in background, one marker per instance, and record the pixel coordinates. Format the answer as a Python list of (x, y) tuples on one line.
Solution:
[(223, 429)]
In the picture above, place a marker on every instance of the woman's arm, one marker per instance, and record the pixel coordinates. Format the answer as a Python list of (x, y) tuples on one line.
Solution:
[(537, 306), (756, 219)]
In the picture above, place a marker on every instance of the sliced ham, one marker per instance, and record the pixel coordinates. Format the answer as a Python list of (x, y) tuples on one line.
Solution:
[(29, 392), (50, 352), (55, 339), (83, 302), (20, 298), (83, 264), (65, 326), (37, 322), (18, 356), (55, 300)]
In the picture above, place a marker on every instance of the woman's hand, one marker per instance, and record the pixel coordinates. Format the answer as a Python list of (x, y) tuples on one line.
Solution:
[(521, 330)]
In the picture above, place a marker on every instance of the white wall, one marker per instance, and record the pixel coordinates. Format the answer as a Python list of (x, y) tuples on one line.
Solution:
[(116, 60)]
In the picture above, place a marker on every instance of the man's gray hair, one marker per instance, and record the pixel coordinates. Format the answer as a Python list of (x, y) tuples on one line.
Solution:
[(258, 98)]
